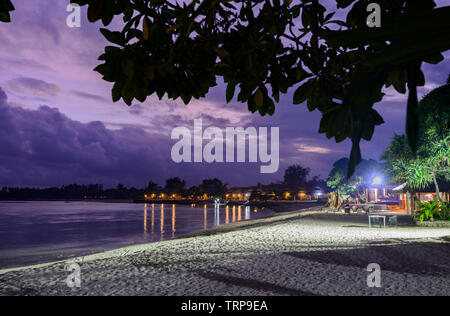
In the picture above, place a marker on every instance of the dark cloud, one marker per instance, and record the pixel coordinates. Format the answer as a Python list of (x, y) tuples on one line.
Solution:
[(44, 147), (90, 96), (31, 87), (136, 109)]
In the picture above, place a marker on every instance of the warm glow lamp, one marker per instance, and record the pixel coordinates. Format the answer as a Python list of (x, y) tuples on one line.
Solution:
[(376, 180)]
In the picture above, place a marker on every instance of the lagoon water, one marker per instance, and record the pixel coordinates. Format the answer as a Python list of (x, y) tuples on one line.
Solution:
[(37, 232)]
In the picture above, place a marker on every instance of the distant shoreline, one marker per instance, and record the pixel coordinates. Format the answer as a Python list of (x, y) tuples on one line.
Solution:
[(276, 206), (70, 200)]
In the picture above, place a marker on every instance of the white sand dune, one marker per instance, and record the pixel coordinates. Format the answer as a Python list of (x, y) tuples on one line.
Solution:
[(291, 254)]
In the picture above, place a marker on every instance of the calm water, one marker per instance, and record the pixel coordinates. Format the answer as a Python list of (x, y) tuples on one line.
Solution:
[(36, 232)]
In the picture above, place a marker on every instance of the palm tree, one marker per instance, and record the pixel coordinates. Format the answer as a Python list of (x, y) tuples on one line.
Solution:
[(432, 161)]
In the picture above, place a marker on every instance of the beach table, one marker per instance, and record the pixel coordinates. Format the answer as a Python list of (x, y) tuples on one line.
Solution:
[(377, 217), (367, 208)]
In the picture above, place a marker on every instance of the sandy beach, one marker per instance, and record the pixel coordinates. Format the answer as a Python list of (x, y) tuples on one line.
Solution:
[(310, 252)]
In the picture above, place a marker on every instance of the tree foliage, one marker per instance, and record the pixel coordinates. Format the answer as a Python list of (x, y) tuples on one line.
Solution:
[(433, 156), (5, 8), (175, 185), (213, 187), (152, 187), (429, 211), (431, 164), (361, 178), (295, 176)]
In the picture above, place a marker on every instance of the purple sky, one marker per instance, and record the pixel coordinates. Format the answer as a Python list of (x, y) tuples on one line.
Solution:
[(60, 126)]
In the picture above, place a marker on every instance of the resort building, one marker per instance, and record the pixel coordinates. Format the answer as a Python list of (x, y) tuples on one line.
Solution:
[(405, 198), (275, 192), (400, 199)]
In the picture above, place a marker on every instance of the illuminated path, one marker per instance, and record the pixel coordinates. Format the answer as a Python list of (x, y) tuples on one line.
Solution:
[(315, 255)]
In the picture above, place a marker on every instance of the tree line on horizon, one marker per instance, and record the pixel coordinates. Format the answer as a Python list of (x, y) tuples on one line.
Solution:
[(295, 177)]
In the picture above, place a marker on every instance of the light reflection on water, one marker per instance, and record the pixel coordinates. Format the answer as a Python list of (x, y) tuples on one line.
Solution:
[(34, 232), (221, 217)]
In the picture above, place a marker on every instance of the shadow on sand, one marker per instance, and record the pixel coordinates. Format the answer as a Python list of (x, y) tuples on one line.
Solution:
[(420, 258)]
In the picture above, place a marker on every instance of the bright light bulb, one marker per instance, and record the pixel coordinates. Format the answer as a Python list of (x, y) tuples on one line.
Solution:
[(376, 180)]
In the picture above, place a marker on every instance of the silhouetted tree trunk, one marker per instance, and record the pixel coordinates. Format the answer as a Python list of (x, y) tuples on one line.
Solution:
[(438, 194)]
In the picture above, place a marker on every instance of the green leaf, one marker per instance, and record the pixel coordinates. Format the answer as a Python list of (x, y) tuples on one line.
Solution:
[(113, 37), (145, 28), (412, 119), (128, 67), (412, 112), (4, 17), (128, 12), (434, 59), (296, 11), (231, 87), (186, 98), (259, 98), (108, 12), (128, 92), (312, 103), (187, 26), (150, 73), (355, 158), (269, 105), (301, 93), (222, 52), (5, 7), (95, 10), (116, 92), (276, 94), (400, 83), (102, 69), (344, 3), (301, 74)]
